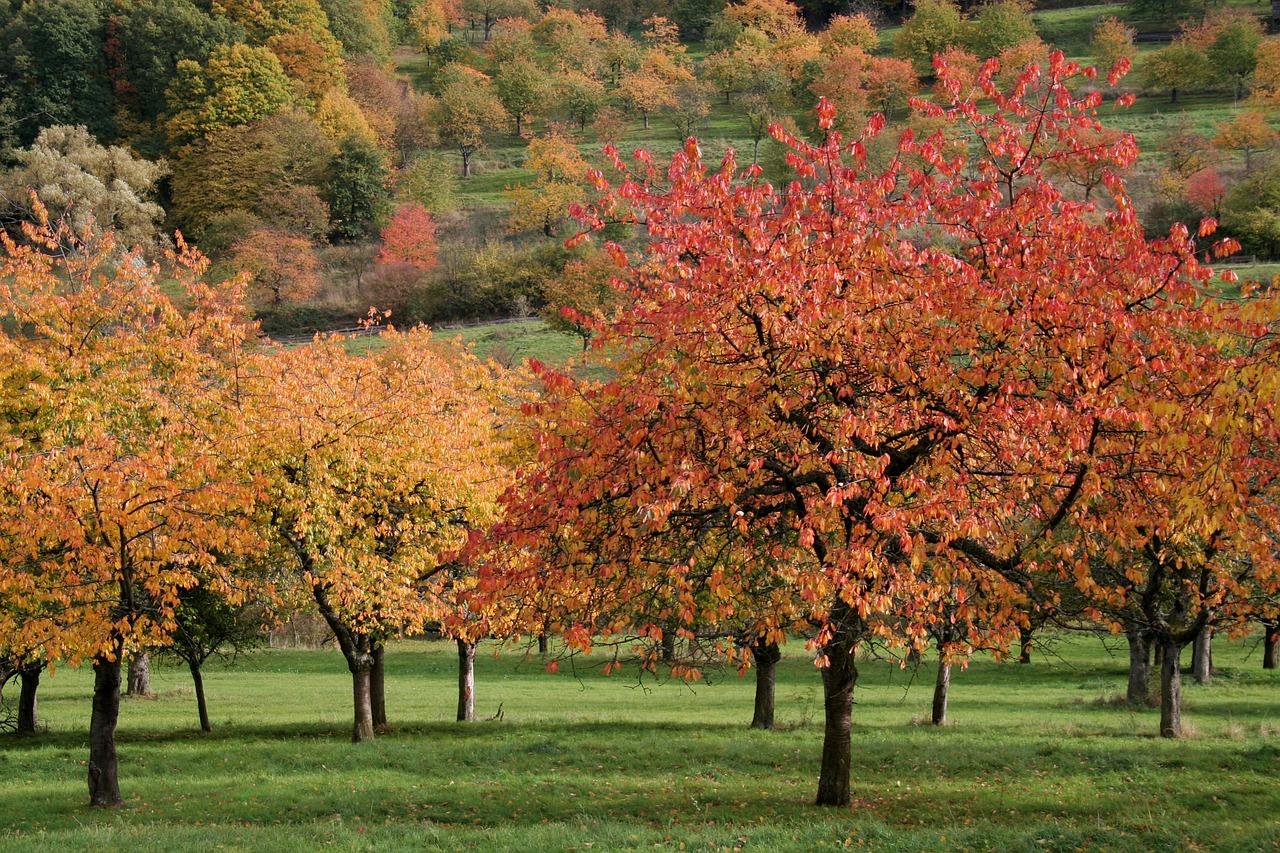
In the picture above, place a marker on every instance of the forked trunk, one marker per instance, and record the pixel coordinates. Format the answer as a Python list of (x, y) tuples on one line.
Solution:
[(766, 656), (1202, 656), (941, 691), (362, 729), (838, 679), (197, 678), (104, 782), (466, 681), (140, 674), (378, 688), (1271, 645), (29, 677), (1171, 689), (1139, 689), (542, 645)]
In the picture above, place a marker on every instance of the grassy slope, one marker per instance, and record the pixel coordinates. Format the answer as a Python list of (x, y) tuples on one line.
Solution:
[(1033, 761)]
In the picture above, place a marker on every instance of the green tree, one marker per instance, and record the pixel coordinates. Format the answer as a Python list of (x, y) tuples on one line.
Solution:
[(1233, 53), (150, 37), (998, 26), (236, 85), (468, 112), (53, 69), (1251, 212), (208, 625), (358, 190), (523, 89), (362, 26), (1181, 65), (935, 26)]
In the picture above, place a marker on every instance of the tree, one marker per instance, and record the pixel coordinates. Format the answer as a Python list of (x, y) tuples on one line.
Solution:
[(150, 38), (1233, 53), (1251, 212), (934, 26), (236, 85), (357, 189), (583, 295), (489, 12), (560, 174), (240, 168), (432, 20), (361, 26), (999, 26), (1266, 73), (409, 238), (523, 88), (580, 97), (847, 31), (116, 495), (468, 112), (1112, 43), (376, 466), (53, 70), (1181, 65), (689, 108), (1248, 132), (283, 265), (208, 625), (85, 184), (1206, 191), (431, 183), (881, 418), (570, 40)]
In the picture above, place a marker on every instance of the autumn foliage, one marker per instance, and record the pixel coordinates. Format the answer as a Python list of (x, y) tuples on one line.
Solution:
[(409, 238), (880, 398)]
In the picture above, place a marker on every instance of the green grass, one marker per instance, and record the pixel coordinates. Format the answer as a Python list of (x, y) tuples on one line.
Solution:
[(1036, 759)]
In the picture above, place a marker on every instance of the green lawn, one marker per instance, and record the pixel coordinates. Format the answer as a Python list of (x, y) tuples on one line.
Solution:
[(1037, 759)]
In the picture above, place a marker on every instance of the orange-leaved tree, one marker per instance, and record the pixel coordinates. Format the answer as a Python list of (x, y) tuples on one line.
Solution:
[(115, 495), (376, 466), (887, 386)]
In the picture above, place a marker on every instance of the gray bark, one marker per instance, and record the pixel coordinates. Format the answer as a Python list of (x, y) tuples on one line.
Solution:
[(466, 681)]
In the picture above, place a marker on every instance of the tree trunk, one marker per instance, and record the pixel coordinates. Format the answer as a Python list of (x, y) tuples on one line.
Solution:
[(104, 782), (29, 676), (1139, 689), (378, 688), (362, 729), (1271, 645), (1171, 689), (669, 644), (197, 678), (139, 674), (1202, 656), (646, 119), (1024, 644), (941, 689), (838, 679), (766, 656), (466, 682), (466, 164), (542, 645)]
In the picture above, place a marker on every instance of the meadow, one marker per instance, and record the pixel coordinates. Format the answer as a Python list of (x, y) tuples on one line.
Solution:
[(1037, 757)]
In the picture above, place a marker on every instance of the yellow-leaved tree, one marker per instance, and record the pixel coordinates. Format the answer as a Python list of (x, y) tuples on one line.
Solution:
[(115, 495), (376, 466)]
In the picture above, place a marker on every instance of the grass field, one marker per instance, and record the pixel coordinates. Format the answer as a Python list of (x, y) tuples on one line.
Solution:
[(1038, 758)]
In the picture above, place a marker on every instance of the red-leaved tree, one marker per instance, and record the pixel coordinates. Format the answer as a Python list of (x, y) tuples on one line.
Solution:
[(873, 401), (409, 238)]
